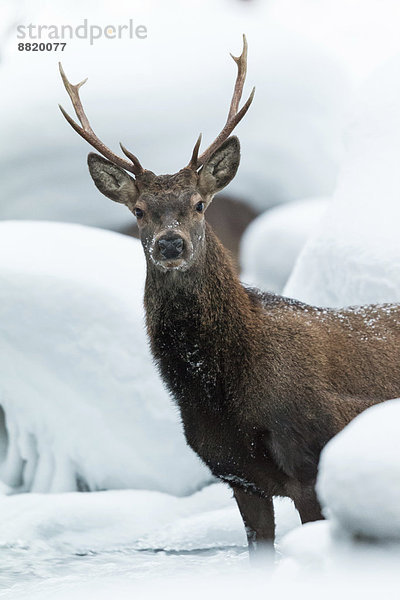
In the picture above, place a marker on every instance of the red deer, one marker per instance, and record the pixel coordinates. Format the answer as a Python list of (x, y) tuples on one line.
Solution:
[(262, 381)]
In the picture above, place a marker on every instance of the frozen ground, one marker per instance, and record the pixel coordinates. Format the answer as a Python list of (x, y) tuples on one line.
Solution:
[(52, 543), (191, 547)]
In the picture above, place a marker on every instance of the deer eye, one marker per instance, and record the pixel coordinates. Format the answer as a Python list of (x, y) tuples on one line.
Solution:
[(138, 213), (199, 207)]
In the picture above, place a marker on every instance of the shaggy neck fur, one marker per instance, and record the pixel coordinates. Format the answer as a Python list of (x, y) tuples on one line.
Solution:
[(200, 323)]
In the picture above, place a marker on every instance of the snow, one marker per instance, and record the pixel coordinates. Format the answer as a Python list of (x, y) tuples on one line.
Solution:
[(156, 103), (273, 241), (112, 520), (134, 520), (83, 403), (236, 585), (325, 550), (359, 474), (57, 542), (354, 255), (315, 563)]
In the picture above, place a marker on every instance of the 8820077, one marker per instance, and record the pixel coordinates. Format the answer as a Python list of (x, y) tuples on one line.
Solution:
[(42, 46)]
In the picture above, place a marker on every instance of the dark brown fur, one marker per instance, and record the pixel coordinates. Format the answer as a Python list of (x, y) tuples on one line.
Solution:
[(229, 217), (262, 382)]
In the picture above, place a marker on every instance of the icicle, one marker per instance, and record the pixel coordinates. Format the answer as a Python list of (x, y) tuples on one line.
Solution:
[(44, 472), (12, 468), (64, 479), (3, 436), (28, 449)]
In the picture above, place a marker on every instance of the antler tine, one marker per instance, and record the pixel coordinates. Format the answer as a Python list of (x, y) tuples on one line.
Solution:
[(195, 154), (241, 62), (234, 115), (133, 158), (87, 132)]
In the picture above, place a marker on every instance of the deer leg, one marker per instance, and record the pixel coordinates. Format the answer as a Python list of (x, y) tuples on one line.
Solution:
[(308, 506), (258, 518)]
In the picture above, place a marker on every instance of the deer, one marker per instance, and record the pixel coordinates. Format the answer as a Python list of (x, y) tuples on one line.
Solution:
[(262, 381)]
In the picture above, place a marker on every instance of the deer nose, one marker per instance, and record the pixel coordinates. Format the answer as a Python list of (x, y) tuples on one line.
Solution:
[(171, 248)]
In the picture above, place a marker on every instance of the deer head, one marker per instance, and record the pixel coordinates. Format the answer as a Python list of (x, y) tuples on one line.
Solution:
[(169, 208)]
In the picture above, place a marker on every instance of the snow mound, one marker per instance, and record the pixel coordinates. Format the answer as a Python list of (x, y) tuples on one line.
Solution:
[(354, 255), (131, 521), (81, 404), (323, 549), (120, 519), (273, 241), (359, 474), (134, 520), (309, 546)]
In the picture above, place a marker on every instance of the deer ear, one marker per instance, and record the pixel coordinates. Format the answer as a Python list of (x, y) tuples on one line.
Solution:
[(220, 168), (112, 181)]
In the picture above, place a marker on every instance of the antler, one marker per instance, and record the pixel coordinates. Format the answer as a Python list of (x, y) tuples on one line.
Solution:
[(234, 115), (87, 132)]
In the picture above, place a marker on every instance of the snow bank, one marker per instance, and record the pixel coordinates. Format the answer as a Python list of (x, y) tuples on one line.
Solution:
[(324, 551), (146, 93), (354, 255), (118, 520), (81, 403), (359, 474), (134, 520), (273, 241)]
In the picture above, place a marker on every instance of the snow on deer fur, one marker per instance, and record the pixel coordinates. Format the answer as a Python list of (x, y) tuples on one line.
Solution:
[(354, 255), (359, 474), (81, 403), (273, 241)]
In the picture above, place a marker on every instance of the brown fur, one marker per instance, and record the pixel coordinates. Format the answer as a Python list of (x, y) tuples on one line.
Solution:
[(262, 381), (229, 217), (270, 382)]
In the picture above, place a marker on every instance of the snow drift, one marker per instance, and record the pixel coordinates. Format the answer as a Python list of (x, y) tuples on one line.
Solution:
[(82, 406), (122, 519), (273, 241), (359, 474), (354, 256)]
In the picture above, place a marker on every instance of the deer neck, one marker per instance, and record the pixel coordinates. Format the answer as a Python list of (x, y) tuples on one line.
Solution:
[(210, 289), (199, 321)]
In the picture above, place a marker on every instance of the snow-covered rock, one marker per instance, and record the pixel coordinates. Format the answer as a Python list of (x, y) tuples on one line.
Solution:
[(273, 241), (81, 402), (354, 255), (359, 474)]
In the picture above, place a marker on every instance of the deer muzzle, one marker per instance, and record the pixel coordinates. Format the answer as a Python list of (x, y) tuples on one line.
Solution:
[(171, 247), (172, 250)]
